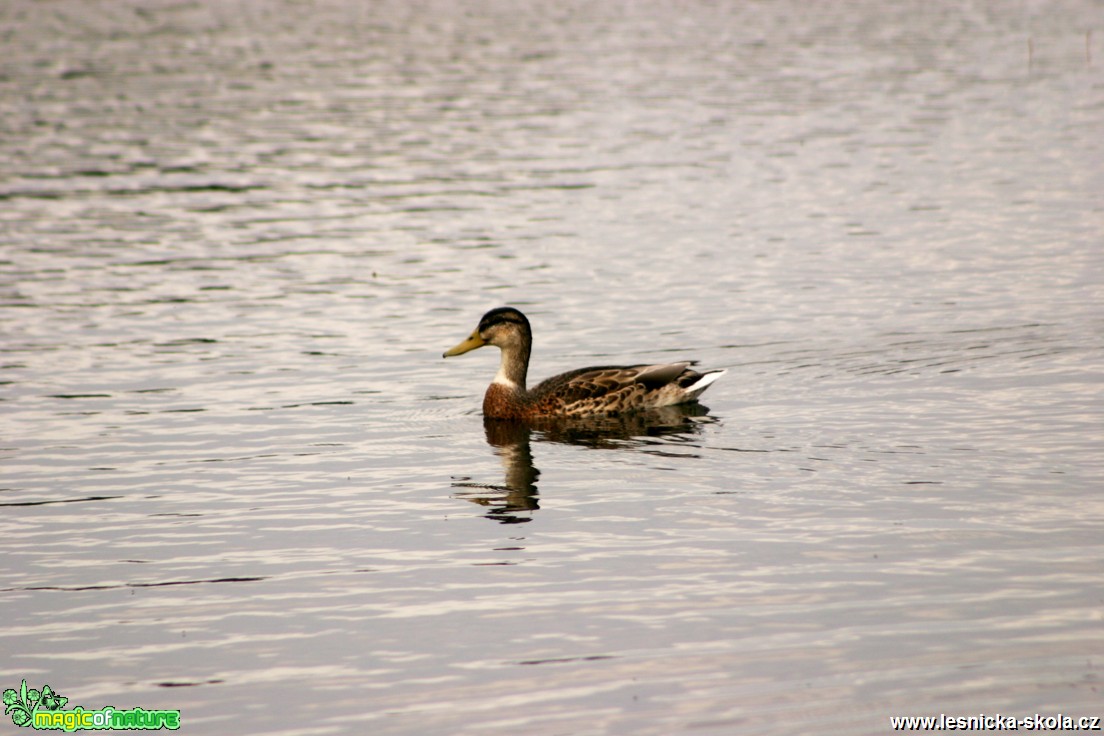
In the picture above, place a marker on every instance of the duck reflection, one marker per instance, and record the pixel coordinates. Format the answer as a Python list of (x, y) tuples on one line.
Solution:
[(514, 501)]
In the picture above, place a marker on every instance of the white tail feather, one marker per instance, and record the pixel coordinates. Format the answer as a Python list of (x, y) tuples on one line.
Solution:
[(695, 389)]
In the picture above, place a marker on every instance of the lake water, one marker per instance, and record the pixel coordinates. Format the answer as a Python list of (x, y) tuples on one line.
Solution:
[(238, 479)]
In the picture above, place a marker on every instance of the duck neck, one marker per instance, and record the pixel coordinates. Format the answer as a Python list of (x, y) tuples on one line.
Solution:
[(514, 366)]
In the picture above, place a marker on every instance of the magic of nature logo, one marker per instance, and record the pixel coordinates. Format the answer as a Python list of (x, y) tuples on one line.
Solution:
[(43, 709)]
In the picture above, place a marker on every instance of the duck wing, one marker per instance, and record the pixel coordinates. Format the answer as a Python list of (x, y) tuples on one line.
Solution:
[(614, 389)]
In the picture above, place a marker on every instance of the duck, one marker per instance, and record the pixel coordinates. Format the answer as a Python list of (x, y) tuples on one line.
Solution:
[(597, 390)]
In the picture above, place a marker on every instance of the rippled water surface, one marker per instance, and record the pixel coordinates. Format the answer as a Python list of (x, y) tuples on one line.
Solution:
[(238, 480)]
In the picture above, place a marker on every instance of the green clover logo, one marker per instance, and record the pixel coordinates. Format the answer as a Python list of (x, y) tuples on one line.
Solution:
[(22, 704)]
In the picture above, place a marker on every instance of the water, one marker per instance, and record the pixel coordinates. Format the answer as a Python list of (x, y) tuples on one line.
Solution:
[(239, 481)]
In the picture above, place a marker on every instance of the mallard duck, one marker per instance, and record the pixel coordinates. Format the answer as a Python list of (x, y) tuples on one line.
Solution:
[(586, 391)]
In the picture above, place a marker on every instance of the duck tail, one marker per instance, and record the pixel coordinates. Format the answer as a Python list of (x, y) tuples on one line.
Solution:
[(702, 382)]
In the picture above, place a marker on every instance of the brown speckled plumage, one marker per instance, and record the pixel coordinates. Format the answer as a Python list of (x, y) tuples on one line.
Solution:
[(582, 392)]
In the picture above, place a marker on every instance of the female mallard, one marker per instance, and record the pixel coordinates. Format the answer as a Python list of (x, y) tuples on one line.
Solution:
[(598, 390)]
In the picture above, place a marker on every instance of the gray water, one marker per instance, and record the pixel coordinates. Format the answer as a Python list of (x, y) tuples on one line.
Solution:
[(239, 481)]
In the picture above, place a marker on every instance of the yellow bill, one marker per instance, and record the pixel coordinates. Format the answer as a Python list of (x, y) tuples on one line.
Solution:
[(473, 342)]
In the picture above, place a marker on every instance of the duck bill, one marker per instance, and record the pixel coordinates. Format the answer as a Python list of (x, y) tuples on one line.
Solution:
[(473, 342)]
